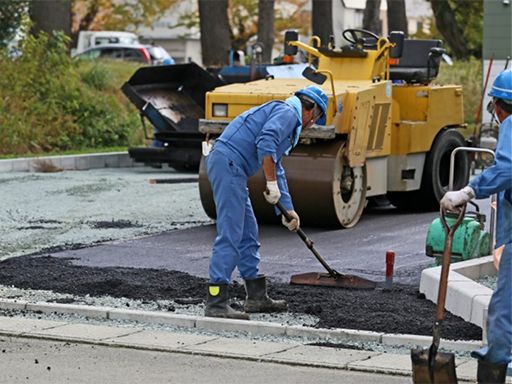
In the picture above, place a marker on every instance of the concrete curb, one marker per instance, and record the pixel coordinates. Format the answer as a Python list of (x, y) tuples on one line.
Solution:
[(465, 297), (250, 326), (68, 162)]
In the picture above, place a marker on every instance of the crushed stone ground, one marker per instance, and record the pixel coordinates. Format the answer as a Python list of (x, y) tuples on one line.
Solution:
[(48, 211), (67, 209)]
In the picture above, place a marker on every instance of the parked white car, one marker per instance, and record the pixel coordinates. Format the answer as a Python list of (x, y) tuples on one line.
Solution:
[(90, 39)]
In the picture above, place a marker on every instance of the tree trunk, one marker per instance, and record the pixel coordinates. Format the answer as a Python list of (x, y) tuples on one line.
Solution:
[(448, 27), (371, 19), (397, 17), (50, 15), (266, 28), (322, 20), (215, 32)]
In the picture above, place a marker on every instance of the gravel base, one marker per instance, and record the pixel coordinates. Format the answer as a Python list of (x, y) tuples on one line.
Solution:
[(184, 306), (488, 281), (88, 207)]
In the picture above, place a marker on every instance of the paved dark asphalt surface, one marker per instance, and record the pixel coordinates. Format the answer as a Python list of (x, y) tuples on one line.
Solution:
[(360, 250)]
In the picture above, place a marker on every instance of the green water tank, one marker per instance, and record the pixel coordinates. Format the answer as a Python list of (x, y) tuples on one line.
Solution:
[(469, 241)]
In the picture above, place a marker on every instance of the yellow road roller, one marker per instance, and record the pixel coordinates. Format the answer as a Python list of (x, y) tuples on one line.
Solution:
[(389, 132)]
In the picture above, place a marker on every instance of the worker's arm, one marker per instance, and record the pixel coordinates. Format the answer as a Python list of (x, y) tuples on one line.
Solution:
[(269, 168), (498, 177)]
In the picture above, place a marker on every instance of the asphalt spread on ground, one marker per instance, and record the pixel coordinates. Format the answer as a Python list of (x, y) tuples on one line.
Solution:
[(402, 310)]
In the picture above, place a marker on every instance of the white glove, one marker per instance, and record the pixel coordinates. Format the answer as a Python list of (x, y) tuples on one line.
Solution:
[(454, 199), (272, 194), (294, 224)]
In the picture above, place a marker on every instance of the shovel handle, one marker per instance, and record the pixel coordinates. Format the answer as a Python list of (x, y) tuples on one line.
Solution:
[(447, 254), (307, 241)]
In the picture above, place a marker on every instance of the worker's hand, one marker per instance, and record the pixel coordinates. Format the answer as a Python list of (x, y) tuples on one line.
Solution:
[(452, 200), (272, 193), (294, 224)]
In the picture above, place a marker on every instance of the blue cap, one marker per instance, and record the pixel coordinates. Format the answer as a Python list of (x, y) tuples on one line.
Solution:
[(319, 97), (502, 86)]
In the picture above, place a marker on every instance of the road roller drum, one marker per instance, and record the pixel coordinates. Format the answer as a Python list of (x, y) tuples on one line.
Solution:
[(324, 189)]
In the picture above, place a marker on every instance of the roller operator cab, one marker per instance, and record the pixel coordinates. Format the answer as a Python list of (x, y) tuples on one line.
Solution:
[(389, 130)]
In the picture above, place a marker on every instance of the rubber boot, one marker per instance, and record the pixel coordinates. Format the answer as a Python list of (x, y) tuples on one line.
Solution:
[(217, 303), (489, 373), (257, 299)]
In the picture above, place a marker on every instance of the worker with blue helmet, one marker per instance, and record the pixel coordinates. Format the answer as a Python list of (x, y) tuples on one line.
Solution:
[(256, 139), (494, 358)]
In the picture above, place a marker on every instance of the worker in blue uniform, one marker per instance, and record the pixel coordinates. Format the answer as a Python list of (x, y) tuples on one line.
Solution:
[(494, 358), (258, 138)]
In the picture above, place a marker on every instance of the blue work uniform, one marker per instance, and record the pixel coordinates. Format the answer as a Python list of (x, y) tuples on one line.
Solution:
[(271, 129), (498, 179)]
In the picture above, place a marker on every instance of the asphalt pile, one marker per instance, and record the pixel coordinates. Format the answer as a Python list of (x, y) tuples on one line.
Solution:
[(400, 310)]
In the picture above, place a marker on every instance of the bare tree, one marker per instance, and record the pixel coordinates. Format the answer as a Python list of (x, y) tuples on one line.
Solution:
[(50, 16), (397, 17), (322, 19), (371, 19), (215, 31), (266, 27), (448, 27)]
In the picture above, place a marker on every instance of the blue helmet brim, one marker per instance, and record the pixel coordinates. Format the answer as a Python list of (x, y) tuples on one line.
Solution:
[(321, 120)]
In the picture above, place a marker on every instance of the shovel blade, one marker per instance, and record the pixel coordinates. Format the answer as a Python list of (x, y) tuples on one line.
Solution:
[(442, 371), (326, 280)]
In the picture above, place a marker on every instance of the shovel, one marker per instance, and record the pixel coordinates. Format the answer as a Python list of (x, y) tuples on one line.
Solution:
[(330, 279), (428, 365)]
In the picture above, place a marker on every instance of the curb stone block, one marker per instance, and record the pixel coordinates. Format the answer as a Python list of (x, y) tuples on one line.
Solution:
[(5, 165), (67, 163), (20, 165), (407, 340), (80, 310), (479, 308), (13, 304), (460, 296), (152, 317)]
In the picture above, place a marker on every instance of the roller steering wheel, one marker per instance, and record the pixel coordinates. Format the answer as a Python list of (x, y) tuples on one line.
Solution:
[(351, 35)]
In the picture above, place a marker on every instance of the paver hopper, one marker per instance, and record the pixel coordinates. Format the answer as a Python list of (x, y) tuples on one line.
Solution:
[(172, 98)]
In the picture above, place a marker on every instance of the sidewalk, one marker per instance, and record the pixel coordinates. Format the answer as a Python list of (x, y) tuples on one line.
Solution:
[(185, 341)]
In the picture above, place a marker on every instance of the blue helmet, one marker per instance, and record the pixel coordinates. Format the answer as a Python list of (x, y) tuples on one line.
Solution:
[(502, 86), (319, 97)]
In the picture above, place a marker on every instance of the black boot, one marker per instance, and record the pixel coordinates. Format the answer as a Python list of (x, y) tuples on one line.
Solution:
[(257, 299), (489, 373), (217, 303)]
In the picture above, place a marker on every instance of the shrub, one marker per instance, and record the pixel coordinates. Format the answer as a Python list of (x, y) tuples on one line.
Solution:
[(49, 102), (469, 75)]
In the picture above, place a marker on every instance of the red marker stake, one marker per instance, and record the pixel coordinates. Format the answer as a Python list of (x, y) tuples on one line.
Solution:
[(390, 262)]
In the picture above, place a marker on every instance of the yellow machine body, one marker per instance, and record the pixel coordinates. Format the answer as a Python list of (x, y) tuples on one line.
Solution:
[(376, 129)]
